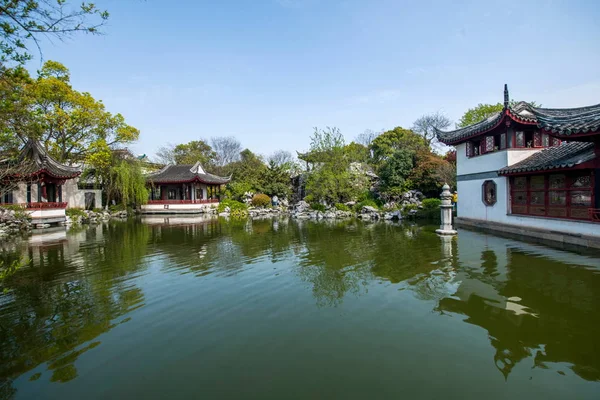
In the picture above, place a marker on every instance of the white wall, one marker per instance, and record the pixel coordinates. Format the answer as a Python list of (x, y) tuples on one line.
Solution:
[(470, 205), (470, 202), (76, 197), (490, 161)]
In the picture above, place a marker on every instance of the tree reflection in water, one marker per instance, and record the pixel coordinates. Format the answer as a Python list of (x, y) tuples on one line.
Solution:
[(67, 295), (537, 305)]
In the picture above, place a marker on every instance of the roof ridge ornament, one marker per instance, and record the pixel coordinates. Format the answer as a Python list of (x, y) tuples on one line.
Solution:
[(506, 98)]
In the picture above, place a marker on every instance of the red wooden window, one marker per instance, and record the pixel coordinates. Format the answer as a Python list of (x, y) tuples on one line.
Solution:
[(520, 139), (558, 195)]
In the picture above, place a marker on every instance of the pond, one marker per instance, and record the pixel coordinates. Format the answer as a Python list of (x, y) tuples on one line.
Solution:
[(279, 309)]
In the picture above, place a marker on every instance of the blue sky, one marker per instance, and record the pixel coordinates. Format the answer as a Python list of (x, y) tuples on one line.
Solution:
[(268, 71)]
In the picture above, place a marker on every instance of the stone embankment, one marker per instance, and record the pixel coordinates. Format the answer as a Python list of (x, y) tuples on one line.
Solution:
[(94, 217)]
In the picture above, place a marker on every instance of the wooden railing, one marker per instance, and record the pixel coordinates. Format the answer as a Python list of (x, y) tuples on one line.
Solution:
[(594, 214), (204, 201), (44, 205)]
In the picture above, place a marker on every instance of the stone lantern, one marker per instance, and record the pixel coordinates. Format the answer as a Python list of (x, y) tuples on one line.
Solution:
[(446, 212)]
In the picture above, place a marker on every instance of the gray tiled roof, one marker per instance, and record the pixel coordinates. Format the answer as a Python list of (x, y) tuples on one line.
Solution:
[(566, 155), (33, 159), (559, 121), (569, 121), (184, 174)]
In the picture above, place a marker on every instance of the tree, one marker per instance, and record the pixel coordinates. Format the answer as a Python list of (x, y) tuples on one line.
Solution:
[(122, 178), (247, 174), (478, 113), (357, 152), (166, 154), (386, 144), (366, 138), (331, 180), (281, 157), (426, 126), (69, 123), (227, 150), (194, 151), (277, 180), (26, 21), (394, 172)]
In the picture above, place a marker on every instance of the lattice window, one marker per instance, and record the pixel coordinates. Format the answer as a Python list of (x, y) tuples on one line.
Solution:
[(489, 193), (545, 140), (520, 139), (489, 144), (502, 141), (537, 139)]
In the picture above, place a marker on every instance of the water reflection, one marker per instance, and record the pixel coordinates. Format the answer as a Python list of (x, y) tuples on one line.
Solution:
[(536, 304), (63, 296), (533, 305)]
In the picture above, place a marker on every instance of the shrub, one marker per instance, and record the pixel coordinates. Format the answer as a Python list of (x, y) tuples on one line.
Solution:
[(261, 200), (75, 212), (20, 211), (236, 208), (98, 210), (342, 207), (14, 207), (431, 204), (309, 198), (318, 207), (407, 208), (368, 202)]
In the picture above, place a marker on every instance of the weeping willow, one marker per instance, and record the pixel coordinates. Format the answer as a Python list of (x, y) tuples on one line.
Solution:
[(126, 183)]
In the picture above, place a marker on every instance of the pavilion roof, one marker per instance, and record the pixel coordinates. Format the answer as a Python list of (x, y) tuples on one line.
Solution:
[(185, 174), (35, 160), (560, 122), (567, 155)]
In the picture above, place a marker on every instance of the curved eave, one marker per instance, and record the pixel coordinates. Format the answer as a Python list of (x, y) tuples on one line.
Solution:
[(558, 167), (47, 173), (194, 180)]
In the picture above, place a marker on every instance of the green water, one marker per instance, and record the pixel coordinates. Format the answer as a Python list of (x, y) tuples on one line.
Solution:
[(285, 310)]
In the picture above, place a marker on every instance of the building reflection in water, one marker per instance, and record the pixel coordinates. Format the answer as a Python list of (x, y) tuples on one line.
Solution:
[(536, 303)]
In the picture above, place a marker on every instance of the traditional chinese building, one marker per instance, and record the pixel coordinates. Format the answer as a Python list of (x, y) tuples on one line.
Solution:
[(183, 189), (38, 182), (531, 171)]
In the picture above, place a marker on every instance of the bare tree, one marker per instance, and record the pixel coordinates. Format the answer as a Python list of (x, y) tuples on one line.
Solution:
[(281, 157), (166, 154), (227, 148), (366, 137), (427, 124)]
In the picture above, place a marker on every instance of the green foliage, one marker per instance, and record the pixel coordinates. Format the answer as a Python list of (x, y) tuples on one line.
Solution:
[(98, 210), (261, 200), (75, 212), (394, 171), (194, 151), (388, 143), (331, 179), (407, 208), (247, 173), (236, 209), (23, 22), (342, 207), (276, 181), (357, 152), (431, 204), (318, 207), (478, 113), (13, 207), (366, 203), (20, 211)]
